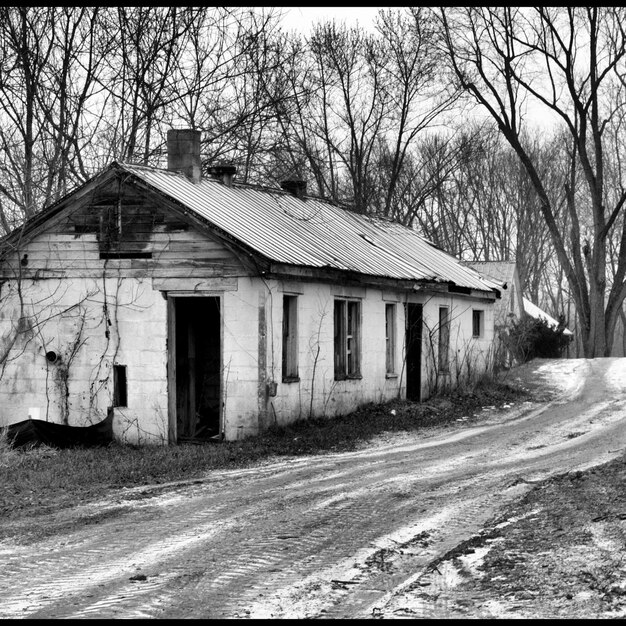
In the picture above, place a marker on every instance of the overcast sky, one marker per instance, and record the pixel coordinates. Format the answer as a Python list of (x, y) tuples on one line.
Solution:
[(304, 18)]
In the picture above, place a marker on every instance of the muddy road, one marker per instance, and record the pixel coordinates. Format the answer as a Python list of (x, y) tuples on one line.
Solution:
[(337, 536)]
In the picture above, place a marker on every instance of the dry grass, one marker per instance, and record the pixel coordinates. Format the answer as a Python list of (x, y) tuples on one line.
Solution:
[(40, 480)]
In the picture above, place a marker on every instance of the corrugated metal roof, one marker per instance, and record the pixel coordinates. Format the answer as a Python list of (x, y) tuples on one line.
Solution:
[(312, 232)]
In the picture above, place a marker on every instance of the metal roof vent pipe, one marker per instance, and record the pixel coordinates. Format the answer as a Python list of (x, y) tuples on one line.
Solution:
[(295, 186), (183, 153), (224, 172)]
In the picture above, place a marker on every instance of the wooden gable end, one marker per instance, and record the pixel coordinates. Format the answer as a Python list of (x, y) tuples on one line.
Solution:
[(120, 226)]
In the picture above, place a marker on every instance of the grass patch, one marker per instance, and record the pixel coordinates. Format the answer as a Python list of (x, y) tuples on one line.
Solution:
[(42, 480)]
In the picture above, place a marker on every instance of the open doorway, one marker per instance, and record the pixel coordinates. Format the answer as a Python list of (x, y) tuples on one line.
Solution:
[(413, 351), (198, 368)]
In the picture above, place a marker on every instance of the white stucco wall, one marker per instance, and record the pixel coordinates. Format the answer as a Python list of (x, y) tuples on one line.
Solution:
[(317, 393), (469, 356), (248, 408), (72, 317)]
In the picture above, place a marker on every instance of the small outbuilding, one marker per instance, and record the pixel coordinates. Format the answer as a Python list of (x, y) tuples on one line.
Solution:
[(508, 309), (182, 306), (512, 307)]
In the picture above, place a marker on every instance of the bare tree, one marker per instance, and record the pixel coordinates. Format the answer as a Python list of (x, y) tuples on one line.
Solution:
[(144, 68), (71, 84), (417, 96), (565, 59), (50, 61), (353, 112), (26, 47)]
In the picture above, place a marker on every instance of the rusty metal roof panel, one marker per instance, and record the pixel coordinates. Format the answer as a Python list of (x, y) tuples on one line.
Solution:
[(312, 232)]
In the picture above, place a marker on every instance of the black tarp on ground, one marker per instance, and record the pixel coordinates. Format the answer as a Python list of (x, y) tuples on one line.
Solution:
[(38, 432)]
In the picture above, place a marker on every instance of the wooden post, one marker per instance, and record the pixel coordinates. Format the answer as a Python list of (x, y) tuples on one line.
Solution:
[(191, 354), (171, 370)]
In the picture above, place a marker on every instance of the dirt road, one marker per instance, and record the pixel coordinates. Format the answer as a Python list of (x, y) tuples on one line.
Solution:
[(325, 536)]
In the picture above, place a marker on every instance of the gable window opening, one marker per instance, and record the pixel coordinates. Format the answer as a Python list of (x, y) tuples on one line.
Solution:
[(290, 339), (347, 319), (119, 386), (116, 233), (477, 323), (390, 339), (111, 225), (444, 339)]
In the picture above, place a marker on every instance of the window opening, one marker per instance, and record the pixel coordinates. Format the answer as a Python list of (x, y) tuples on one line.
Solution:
[(347, 317), (444, 339), (126, 255), (390, 337), (477, 323), (119, 386), (290, 338)]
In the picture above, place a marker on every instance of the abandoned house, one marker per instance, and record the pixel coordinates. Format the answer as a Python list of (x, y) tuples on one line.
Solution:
[(184, 306), (512, 305), (504, 273), (509, 308)]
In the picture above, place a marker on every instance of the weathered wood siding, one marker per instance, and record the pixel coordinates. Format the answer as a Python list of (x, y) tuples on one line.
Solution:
[(131, 235)]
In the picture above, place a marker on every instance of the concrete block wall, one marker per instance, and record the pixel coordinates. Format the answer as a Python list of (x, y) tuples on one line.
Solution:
[(240, 358), (469, 357), (317, 393), (256, 361), (69, 317)]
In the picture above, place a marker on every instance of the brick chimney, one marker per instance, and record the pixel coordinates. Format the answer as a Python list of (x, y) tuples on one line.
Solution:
[(183, 153), (295, 186), (223, 172)]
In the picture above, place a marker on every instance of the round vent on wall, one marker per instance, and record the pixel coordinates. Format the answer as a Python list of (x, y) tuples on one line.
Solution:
[(52, 356)]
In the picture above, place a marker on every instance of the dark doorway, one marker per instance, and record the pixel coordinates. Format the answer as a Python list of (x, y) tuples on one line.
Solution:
[(413, 351), (198, 368)]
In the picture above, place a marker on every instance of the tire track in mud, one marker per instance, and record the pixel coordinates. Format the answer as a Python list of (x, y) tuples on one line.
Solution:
[(333, 535), (455, 529), (228, 579), (80, 575), (267, 562), (354, 587)]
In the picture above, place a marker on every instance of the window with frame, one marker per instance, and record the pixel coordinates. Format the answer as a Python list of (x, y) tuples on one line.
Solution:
[(477, 323), (444, 339), (390, 337), (347, 318), (290, 338)]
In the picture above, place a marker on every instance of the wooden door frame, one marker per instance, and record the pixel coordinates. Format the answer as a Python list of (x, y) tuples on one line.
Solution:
[(408, 346), (171, 359)]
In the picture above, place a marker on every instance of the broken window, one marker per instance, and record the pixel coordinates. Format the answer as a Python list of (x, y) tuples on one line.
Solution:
[(390, 337), (290, 338), (119, 386), (477, 323), (444, 339), (347, 316)]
